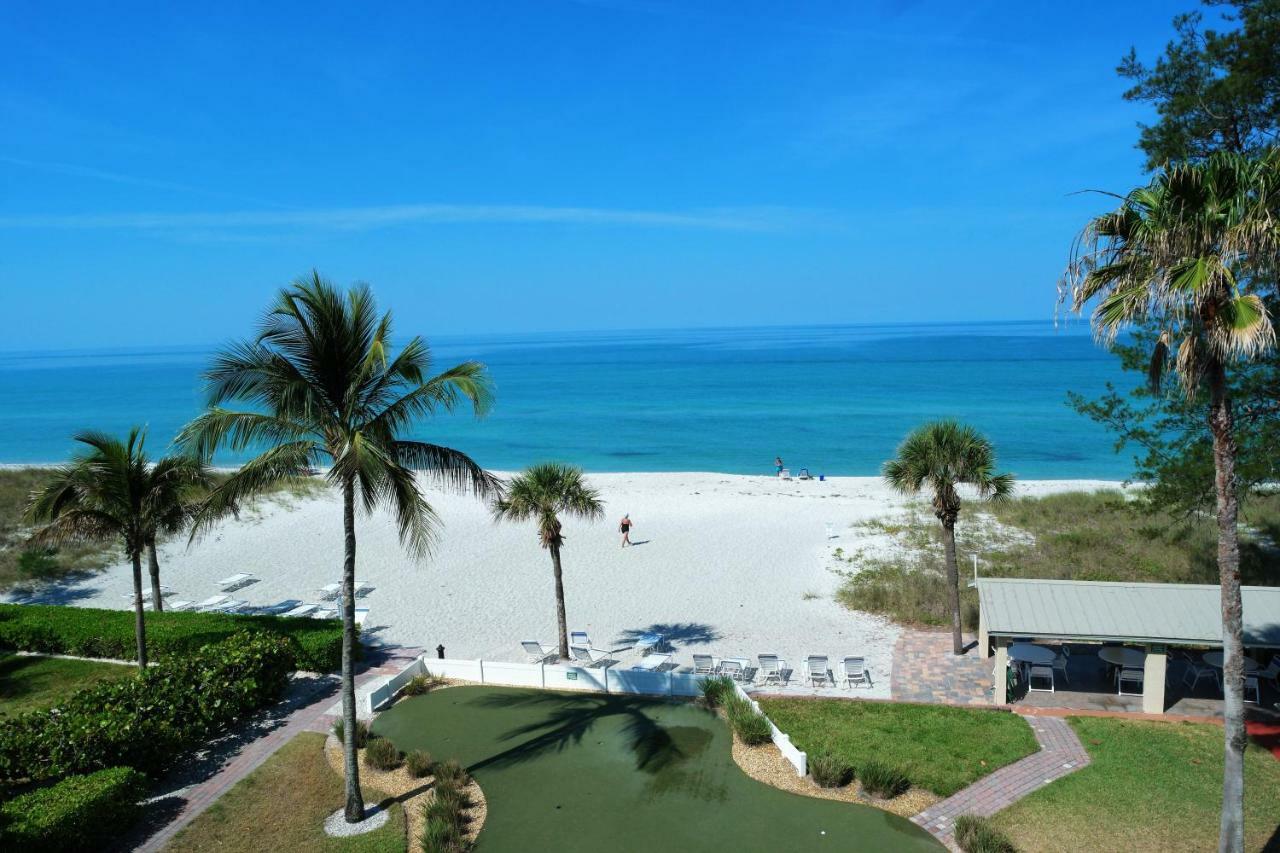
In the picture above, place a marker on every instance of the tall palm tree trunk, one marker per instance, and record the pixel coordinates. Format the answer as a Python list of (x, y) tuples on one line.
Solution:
[(153, 565), (1222, 424), (139, 619), (561, 623), (953, 583), (355, 801)]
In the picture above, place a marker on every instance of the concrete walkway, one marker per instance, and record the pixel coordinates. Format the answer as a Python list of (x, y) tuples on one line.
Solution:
[(1060, 753), (309, 711)]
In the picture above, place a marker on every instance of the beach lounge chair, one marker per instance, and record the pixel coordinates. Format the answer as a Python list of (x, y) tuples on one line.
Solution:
[(538, 653), (176, 606), (1132, 676), (855, 672), (732, 668), (653, 662), (579, 638), (236, 581), (325, 614), (303, 610), (229, 606), (704, 665), (362, 589), (770, 669), (330, 591), (817, 670), (590, 657), (211, 602)]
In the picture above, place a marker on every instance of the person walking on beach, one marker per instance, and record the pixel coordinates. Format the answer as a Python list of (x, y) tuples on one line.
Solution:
[(624, 527), (777, 464)]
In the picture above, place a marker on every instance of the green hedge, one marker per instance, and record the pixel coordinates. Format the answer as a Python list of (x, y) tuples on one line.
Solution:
[(77, 813), (152, 721), (316, 643)]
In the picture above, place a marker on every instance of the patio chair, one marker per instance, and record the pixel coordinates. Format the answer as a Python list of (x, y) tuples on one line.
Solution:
[(1197, 670), (1130, 675), (770, 669), (1272, 672), (855, 672), (817, 671), (731, 668), (1060, 661), (704, 665), (590, 657), (538, 653), (1251, 683), (1042, 672), (579, 638)]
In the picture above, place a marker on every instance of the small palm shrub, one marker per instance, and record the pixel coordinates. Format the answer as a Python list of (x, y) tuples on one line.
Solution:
[(362, 733), (418, 763), (830, 771), (382, 754), (452, 771), (976, 835), (716, 690), (882, 780)]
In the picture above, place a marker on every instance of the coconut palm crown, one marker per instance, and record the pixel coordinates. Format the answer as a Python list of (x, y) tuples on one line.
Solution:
[(323, 386), (936, 458), (543, 493)]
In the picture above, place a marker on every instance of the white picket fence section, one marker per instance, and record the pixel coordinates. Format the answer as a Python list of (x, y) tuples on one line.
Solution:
[(568, 677)]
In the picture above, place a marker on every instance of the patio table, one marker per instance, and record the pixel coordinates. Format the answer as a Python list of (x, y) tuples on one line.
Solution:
[(1031, 653), (1214, 659), (1122, 657)]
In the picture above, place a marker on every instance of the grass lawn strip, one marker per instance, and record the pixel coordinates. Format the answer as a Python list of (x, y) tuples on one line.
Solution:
[(282, 806), (36, 683), (941, 749), (1150, 786)]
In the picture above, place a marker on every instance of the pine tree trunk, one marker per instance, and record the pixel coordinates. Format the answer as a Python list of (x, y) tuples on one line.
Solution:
[(1222, 425), (354, 812), (953, 584), (561, 622), (139, 616), (153, 564)]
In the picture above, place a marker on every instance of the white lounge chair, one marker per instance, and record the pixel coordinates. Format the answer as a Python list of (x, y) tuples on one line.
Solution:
[(538, 653), (704, 665), (362, 588), (212, 601), (1045, 674), (579, 638), (817, 670), (325, 614), (770, 669), (653, 662), (229, 606), (236, 581), (1131, 675), (855, 672), (731, 667), (177, 606), (330, 591), (589, 656), (303, 610)]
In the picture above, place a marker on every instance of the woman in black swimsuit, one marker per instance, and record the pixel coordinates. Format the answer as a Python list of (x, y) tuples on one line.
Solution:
[(624, 527)]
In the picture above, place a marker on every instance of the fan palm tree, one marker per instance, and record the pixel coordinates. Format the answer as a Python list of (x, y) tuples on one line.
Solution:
[(543, 493), (112, 491), (1186, 253), (323, 387), (937, 457)]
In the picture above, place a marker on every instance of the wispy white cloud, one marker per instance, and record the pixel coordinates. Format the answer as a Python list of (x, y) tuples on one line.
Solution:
[(78, 171), (370, 218)]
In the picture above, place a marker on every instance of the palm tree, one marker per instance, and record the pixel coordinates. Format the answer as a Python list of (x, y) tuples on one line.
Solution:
[(112, 491), (323, 386), (938, 457), (1186, 253), (544, 493)]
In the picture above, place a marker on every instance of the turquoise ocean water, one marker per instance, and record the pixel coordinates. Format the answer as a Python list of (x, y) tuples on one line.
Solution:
[(834, 399)]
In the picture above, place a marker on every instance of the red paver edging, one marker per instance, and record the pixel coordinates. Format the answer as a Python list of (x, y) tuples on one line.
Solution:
[(1060, 753)]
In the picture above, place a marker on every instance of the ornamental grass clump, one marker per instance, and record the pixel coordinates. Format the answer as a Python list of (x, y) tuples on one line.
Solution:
[(420, 684), (751, 727), (882, 780), (452, 771), (445, 814), (381, 754), (418, 763), (976, 835), (716, 690), (830, 771), (362, 733)]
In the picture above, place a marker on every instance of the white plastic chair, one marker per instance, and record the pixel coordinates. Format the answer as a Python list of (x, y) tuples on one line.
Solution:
[(1042, 672), (855, 672), (817, 670), (1131, 675), (770, 669), (704, 665), (538, 653), (731, 668), (590, 657)]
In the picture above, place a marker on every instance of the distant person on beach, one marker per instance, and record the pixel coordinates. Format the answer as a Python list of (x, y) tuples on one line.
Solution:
[(624, 527), (777, 464)]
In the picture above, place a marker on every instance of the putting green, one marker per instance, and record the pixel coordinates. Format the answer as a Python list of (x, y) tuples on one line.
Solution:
[(583, 773)]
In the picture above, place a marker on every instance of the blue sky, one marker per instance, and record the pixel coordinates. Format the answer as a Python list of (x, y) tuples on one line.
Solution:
[(522, 167)]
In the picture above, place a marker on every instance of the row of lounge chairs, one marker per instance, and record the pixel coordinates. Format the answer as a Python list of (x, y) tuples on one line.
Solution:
[(225, 603)]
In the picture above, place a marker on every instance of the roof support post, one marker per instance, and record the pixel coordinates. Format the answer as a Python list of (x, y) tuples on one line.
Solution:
[(1153, 672), (1000, 673), (984, 641)]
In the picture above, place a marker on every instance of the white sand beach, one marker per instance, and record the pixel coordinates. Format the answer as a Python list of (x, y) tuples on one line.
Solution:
[(734, 565)]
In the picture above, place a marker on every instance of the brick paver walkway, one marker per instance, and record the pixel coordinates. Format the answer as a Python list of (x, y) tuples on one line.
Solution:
[(312, 715), (925, 670), (1060, 753)]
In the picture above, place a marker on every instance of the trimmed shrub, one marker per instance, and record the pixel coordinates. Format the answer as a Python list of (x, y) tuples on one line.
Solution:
[(976, 835), (830, 771), (716, 690), (882, 780), (314, 644), (382, 754), (419, 763), (76, 813), (150, 721), (362, 732)]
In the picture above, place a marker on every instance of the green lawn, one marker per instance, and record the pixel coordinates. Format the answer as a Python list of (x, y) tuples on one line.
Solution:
[(1150, 787), (941, 749), (32, 683), (582, 773), (282, 806)]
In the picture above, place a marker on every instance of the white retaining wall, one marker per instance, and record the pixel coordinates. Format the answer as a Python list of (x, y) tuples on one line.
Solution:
[(567, 677)]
